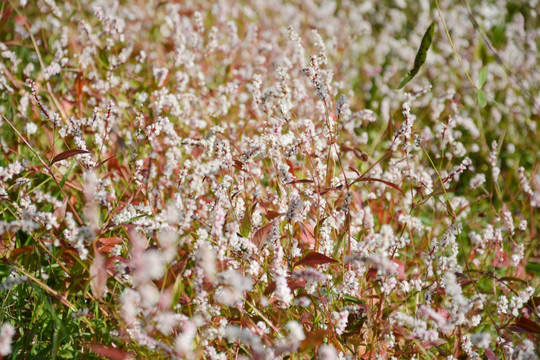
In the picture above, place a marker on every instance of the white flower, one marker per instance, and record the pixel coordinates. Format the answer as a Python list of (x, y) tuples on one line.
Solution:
[(327, 352), (6, 334), (341, 320), (31, 128), (295, 209), (517, 302), (154, 263), (183, 343), (481, 340), (502, 305), (296, 332)]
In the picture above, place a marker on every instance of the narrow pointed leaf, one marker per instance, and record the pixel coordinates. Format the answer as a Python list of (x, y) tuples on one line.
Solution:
[(524, 325), (353, 300), (421, 56), (301, 181), (387, 183), (67, 154), (104, 161), (315, 258)]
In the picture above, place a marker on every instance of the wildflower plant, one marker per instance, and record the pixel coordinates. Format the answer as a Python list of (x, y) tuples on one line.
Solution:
[(241, 179)]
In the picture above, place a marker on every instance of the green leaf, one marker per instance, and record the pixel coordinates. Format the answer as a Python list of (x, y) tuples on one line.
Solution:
[(482, 77), (421, 55), (177, 289), (533, 268), (482, 102), (245, 225), (353, 299), (66, 175), (103, 57)]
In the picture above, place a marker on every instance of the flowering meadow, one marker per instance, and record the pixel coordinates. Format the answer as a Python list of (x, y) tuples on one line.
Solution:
[(269, 179)]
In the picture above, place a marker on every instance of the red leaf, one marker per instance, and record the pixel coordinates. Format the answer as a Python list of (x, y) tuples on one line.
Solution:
[(387, 183), (104, 161), (68, 154), (315, 338), (259, 238), (315, 258), (239, 165), (60, 212), (79, 84), (490, 355), (19, 251), (105, 245), (524, 325), (429, 344), (110, 352), (371, 273), (500, 259), (270, 214), (401, 332), (111, 261), (400, 269), (301, 181), (331, 189), (533, 302), (306, 234), (98, 276), (293, 284)]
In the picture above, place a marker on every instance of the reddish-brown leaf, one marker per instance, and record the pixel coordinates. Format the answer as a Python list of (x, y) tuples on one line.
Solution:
[(5, 15), (105, 245), (110, 352), (98, 276), (533, 302), (331, 189), (371, 273), (387, 183), (264, 204), (237, 164), (173, 272), (104, 161), (67, 154), (270, 214), (490, 354), (60, 212), (307, 234), (293, 284), (400, 269), (315, 338), (19, 251), (400, 331), (79, 85), (259, 238), (501, 259), (111, 261), (429, 344), (301, 181), (524, 325), (315, 258)]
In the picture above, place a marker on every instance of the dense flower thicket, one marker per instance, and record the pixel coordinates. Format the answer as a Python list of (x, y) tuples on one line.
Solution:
[(240, 179)]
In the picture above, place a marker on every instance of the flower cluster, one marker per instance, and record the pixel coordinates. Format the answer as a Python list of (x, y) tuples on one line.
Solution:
[(230, 179)]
